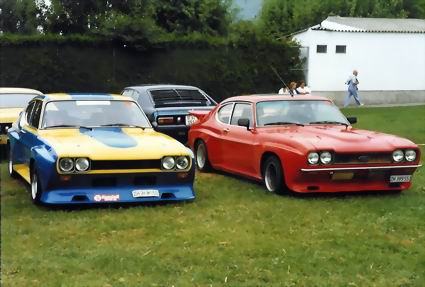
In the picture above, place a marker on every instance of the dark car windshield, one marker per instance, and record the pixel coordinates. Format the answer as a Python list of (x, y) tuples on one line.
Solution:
[(15, 100), (298, 112), (93, 114), (179, 98)]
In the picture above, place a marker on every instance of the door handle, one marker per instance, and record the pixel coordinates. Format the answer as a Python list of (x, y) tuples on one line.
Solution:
[(226, 130)]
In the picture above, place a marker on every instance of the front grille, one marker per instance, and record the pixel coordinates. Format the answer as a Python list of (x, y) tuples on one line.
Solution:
[(125, 164), (4, 127), (362, 158)]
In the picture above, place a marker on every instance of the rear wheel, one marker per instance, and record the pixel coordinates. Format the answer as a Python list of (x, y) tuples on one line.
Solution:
[(36, 190), (201, 155), (273, 176)]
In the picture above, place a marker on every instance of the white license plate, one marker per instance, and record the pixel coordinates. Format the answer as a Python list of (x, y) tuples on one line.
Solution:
[(145, 193), (400, 178)]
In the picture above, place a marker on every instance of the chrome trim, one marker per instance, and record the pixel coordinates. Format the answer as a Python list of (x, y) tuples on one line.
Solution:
[(359, 168)]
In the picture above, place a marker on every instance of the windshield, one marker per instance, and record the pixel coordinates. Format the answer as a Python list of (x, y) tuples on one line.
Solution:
[(298, 112), (93, 114), (15, 100)]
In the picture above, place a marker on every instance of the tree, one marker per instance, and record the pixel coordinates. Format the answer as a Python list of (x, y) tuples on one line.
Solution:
[(20, 16)]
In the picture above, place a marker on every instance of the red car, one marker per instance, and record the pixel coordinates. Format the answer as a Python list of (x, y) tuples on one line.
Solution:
[(302, 144)]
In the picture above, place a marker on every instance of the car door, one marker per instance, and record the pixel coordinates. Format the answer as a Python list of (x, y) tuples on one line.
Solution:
[(238, 142), (29, 132)]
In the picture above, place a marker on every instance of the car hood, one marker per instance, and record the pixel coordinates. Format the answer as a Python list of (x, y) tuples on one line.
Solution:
[(9, 115), (338, 138), (112, 143)]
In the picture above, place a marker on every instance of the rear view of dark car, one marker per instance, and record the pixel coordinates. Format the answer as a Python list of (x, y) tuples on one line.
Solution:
[(168, 106)]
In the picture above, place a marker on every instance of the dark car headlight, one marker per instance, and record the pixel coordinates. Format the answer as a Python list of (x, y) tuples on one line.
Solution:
[(410, 155), (168, 162), (398, 155), (82, 164), (66, 164), (182, 162)]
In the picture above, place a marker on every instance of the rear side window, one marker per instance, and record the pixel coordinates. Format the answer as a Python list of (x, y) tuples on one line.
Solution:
[(242, 111), (178, 98), (35, 119), (131, 93), (28, 112), (224, 113)]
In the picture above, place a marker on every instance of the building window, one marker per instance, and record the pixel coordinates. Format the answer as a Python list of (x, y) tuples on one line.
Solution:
[(321, 48), (340, 49)]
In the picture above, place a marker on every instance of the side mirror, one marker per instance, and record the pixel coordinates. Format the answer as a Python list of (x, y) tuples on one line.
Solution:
[(154, 124), (352, 120), (244, 123)]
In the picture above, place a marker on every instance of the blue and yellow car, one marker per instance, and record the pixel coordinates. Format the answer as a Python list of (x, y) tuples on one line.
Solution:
[(96, 148)]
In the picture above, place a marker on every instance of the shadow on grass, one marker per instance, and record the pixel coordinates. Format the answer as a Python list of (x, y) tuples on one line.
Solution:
[(314, 195)]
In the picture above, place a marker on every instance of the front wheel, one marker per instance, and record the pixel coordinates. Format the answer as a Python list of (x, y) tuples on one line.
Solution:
[(12, 173), (273, 176), (201, 156), (36, 190)]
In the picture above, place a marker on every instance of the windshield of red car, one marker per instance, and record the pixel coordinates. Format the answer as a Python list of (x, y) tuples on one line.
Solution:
[(93, 114), (299, 111), (15, 100)]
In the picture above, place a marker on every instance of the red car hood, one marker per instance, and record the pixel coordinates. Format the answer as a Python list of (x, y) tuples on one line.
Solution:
[(337, 138)]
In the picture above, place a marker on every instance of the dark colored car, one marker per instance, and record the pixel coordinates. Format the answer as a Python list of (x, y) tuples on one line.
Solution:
[(168, 106)]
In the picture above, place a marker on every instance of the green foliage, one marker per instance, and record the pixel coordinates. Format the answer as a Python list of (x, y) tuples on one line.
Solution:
[(20, 16), (282, 17)]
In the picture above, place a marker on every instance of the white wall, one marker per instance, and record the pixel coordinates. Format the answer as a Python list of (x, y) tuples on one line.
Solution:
[(385, 61)]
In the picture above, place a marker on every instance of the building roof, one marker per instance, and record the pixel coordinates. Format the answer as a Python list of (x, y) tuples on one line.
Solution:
[(19, 91), (383, 25), (274, 97)]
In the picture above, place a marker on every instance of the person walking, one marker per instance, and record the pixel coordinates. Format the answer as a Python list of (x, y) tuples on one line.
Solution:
[(352, 83)]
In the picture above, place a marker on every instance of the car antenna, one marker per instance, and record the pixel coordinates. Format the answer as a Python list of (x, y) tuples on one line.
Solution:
[(280, 78)]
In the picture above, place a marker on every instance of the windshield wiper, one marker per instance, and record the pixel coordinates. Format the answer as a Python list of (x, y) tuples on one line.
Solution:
[(329, 122), (69, 126), (284, 123), (123, 125)]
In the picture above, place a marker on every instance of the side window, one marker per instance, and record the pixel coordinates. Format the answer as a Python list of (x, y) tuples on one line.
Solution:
[(127, 93), (241, 111), (28, 112), (224, 113), (36, 113)]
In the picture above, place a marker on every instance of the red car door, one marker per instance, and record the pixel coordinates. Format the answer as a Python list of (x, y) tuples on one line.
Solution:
[(238, 142)]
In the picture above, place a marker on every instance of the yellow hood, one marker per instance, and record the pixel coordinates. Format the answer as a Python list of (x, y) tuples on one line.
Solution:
[(9, 115), (112, 143)]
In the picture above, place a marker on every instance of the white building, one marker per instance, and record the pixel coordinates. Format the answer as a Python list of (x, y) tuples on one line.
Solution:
[(389, 55)]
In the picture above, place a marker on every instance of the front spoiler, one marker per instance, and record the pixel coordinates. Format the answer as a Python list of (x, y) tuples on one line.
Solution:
[(121, 194)]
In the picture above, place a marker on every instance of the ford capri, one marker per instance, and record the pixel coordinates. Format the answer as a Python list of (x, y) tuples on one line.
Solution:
[(168, 106), (88, 148), (301, 144), (12, 102)]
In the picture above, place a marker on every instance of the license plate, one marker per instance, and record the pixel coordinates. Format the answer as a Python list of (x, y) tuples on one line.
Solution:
[(145, 193), (400, 178), (342, 176)]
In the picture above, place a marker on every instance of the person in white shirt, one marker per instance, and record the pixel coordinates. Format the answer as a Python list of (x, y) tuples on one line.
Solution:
[(303, 89), (352, 83)]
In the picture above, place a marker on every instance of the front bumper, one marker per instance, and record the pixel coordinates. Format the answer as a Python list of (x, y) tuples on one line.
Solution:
[(118, 188), (352, 179)]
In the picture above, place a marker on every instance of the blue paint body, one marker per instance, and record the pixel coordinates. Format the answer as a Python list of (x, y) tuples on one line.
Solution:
[(110, 136)]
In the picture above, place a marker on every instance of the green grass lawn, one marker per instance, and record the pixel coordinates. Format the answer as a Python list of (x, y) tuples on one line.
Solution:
[(233, 234)]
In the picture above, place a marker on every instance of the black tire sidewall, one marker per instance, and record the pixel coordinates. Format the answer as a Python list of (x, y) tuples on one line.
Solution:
[(272, 160), (207, 165)]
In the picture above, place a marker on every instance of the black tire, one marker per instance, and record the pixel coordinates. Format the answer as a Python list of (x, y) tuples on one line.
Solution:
[(12, 173), (273, 177), (201, 156), (35, 188)]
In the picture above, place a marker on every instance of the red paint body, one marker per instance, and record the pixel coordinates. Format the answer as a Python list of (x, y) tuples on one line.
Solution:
[(237, 150)]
